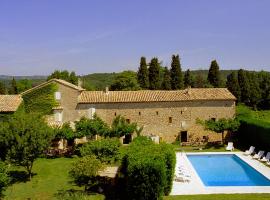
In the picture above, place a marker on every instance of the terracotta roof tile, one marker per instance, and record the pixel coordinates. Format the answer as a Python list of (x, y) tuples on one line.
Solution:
[(54, 80), (156, 95), (9, 103)]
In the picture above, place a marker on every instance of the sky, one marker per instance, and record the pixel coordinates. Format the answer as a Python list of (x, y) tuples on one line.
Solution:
[(90, 36)]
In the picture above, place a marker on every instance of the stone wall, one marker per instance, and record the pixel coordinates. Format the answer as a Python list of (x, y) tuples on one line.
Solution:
[(166, 119)]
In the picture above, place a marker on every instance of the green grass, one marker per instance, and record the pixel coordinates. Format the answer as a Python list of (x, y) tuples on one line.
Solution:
[(221, 197), (51, 177), (245, 112)]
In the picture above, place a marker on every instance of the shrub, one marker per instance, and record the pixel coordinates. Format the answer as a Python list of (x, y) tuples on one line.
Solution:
[(85, 171), (149, 169), (106, 150), (120, 127), (4, 179)]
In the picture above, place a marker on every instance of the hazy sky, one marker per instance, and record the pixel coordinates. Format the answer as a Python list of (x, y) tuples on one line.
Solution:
[(89, 36)]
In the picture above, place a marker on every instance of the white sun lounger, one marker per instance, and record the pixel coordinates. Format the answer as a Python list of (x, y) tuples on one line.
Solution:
[(258, 155), (230, 146), (250, 151), (266, 158)]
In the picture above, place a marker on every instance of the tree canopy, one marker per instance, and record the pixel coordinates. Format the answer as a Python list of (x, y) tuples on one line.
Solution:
[(64, 75), (154, 74), (126, 80), (142, 74), (26, 137), (214, 74), (176, 73)]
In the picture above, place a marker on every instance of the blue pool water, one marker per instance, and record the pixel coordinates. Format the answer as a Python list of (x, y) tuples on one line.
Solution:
[(226, 170)]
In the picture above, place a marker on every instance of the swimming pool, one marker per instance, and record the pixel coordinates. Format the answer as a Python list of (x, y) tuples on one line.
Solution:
[(226, 170)]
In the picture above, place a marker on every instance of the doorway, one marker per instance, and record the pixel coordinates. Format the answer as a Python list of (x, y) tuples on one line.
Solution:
[(183, 136)]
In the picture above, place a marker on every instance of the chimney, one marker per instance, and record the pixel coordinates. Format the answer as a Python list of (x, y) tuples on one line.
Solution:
[(79, 82), (107, 90)]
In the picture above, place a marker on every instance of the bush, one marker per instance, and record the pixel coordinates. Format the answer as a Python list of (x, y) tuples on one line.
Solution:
[(64, 132), (4, 179), (106, 150), (85, 171), (149, 169)]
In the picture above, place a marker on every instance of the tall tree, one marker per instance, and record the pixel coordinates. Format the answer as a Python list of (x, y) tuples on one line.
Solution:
[(142, 74), (244, 86), (14, 88), (214, 74), (255, 90), (73, 78), (154, 74), (176, 73), (188, 79), (2, 88), (166, 83), (24, 84), (233, 85)]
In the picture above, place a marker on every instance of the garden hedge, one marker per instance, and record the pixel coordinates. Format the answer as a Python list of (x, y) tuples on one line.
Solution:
[(149, 169), (255, 132)]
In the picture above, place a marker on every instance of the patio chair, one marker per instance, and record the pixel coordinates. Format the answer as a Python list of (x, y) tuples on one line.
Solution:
[(230, 146), (258, 155), (250, 151), (266, 158)]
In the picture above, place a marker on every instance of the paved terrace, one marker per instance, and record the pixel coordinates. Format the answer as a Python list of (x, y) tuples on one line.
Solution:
[(196, 186)]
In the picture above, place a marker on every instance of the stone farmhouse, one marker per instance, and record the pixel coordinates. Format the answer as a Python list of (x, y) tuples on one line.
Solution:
[(167, 114)]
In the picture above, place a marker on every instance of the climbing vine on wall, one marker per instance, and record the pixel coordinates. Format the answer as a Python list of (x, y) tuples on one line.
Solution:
[(41, 100)]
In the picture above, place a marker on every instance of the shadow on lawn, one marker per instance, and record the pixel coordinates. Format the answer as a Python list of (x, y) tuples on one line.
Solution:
[(19, 176), (214, 145)]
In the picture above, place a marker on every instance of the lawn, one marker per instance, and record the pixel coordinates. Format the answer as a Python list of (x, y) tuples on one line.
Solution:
[(51, 177)]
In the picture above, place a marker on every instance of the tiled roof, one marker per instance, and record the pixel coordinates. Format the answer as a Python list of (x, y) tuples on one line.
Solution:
[(63, 82), (156, 95), (9, 103)]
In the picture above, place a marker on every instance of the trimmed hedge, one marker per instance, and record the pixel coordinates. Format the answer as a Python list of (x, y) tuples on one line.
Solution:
[(148, 169), (255, 132)]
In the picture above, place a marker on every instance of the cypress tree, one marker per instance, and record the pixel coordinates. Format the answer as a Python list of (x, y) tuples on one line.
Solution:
[(233, 85), (166, 83), (255, 91), (176, 73), (188, 79), (14, 88), (214, 74), (154, 74), (2, 88), (142, 74), (244, 86)]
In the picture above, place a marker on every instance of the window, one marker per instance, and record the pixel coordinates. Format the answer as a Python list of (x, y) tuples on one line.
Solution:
[(156, 112), (139, 113), (181, 112), (57, 95), (214, 119), (128, 121), (115, 114), (170, 120), (58, 115)]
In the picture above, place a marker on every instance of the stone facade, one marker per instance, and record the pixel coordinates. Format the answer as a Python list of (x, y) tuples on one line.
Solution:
[(166, 119)]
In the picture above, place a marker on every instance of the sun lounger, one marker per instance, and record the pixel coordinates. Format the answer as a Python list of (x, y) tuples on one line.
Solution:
[(258, 155), (230, 146), (266, 158), (250, 151)]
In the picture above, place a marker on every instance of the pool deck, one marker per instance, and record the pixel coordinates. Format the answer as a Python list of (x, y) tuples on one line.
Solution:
[(196, 186)]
